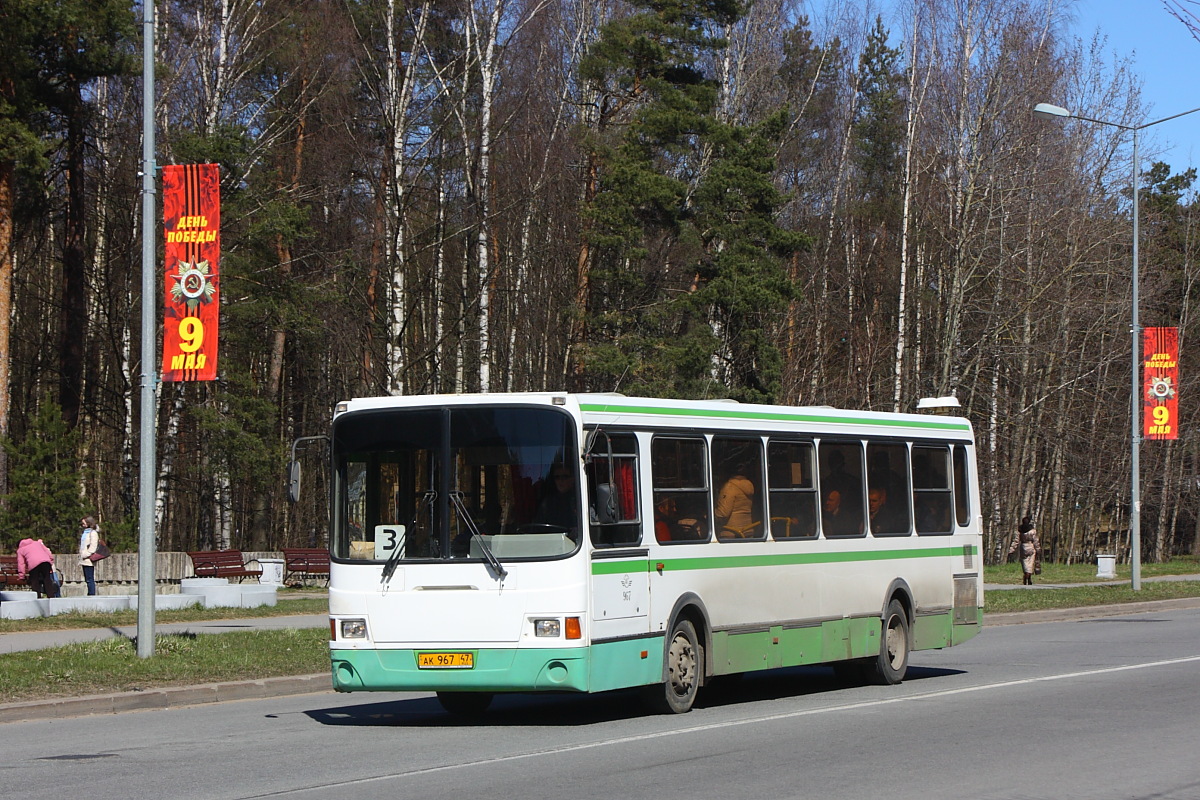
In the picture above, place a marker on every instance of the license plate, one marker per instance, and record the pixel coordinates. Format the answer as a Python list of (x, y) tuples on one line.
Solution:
[(445, 660)]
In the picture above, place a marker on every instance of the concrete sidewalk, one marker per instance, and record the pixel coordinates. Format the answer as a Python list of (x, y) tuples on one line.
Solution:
[(13, 642), (987, 587)]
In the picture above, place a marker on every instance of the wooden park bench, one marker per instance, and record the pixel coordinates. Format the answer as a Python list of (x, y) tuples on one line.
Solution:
[(8, 573), (305, 562), (222, 564)]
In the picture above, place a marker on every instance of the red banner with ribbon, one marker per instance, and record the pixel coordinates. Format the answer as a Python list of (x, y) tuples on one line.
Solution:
[(1160, 397), (192, 229)]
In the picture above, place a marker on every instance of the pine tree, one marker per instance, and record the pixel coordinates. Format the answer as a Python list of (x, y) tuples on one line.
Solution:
[(44, 480), (879, 128), (685, 273)]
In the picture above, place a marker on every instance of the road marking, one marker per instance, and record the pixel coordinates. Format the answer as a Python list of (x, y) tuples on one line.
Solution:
[(712, 726)]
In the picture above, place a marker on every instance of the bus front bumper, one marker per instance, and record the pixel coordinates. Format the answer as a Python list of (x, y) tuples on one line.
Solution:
[(491, 670)]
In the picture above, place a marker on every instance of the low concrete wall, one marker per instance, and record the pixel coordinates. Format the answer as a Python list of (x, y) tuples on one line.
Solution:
[(118, 574)]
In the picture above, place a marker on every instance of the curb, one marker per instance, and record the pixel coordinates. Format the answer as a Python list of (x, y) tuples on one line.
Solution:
[(163, 698)]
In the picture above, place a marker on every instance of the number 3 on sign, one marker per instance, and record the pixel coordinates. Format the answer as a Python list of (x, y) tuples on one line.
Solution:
[(191, 334)]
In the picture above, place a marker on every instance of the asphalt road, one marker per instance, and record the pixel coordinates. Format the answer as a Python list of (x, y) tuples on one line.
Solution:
[(1095, 708)]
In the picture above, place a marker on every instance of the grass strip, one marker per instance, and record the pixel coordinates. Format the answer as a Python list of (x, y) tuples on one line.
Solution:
[(1086, 572), (1034, 599), (184, 659)]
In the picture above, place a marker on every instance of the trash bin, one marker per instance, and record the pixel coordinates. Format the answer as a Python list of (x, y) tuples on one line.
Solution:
[(272, 571), (1106, 566)]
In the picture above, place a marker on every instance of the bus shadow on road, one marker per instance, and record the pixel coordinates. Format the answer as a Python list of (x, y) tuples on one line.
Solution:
[(795, 682), (577, 710), (506, 711)]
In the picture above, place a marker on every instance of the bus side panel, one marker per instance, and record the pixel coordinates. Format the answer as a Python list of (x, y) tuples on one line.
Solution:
[(966, 631), (746, 652), (626, 663), (932, 631), (801, 645), (831, 640), (853, 637)]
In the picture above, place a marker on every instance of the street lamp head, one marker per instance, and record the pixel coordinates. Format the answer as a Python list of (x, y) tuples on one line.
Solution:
[(1047, 110)]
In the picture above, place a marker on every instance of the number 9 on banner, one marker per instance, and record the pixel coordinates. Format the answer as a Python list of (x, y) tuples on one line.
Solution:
[(191, 334)]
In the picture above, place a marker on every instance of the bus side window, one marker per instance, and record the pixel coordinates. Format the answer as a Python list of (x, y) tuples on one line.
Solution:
[(681, 496), (791, 491), (931, 489), (962, 506), (842, 493), (612, 491), (889, 512), (737, 474)]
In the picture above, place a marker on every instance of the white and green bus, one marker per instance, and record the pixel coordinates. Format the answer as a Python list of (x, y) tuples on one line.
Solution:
[(588, 542)]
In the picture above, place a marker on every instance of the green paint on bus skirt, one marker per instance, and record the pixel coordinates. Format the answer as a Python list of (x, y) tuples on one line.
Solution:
[(635, 662)]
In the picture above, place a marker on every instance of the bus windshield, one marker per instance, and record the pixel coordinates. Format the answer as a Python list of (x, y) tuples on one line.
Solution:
[(455, 483)]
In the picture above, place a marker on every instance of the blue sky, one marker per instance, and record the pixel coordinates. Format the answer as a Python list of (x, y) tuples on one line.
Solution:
[(1164, 56)]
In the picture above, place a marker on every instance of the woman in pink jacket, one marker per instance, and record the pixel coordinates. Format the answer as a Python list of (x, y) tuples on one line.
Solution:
[(35, 560)]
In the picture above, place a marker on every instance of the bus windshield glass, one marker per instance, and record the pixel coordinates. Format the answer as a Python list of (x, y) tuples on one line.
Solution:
[(455, 483)]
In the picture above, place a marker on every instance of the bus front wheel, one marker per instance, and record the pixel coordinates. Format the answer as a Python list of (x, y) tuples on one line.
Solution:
[(685, 660), (894, 647), (465, 703)]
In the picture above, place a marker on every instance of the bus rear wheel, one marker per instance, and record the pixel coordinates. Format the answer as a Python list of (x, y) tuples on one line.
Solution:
[(465, 703), (896, 642), (685, 660)]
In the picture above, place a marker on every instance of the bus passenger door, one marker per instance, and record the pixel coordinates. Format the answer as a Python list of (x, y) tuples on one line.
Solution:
[(620, 584), (620, 592)]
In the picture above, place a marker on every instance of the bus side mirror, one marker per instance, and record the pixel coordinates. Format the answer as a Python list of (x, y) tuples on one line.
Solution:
[(606, 506), (294, 481)]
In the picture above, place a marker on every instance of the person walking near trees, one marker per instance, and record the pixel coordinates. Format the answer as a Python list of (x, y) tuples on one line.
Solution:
[(1027, 541), (89, 540)]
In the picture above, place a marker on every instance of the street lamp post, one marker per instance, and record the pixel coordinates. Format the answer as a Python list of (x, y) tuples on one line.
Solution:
[(1135, 429)]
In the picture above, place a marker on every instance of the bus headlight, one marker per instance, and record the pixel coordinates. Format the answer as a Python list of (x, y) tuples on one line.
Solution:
[(547, 627), (354, 629)]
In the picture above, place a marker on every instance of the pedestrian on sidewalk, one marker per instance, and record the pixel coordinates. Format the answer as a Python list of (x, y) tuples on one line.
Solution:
[(36, 561), (1030, 548), (89, 540)]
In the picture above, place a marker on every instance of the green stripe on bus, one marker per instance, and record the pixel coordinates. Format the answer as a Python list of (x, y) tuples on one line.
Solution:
[(776, 416), (617, 567)]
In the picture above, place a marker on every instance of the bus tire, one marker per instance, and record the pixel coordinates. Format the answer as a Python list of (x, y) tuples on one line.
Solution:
[(894, 646), (685, 662), (468, 704)]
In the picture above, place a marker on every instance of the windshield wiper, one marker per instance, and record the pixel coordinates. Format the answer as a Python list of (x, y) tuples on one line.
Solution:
[(488, 555), (389, 566)]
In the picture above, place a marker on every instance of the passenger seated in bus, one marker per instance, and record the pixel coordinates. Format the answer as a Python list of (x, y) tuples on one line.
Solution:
[(559, 507), (932, 513), (882, 516), (734, 511), (666, 519), (668, 526), (836, 517)]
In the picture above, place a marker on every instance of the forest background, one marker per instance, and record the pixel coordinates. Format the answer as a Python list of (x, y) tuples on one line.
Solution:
[(689, 198)]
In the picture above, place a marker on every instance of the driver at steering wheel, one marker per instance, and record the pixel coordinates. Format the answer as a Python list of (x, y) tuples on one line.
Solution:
[(560, 506)]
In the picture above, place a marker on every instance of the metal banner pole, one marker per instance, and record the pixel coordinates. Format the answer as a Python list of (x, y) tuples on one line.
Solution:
[(146, 468)]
